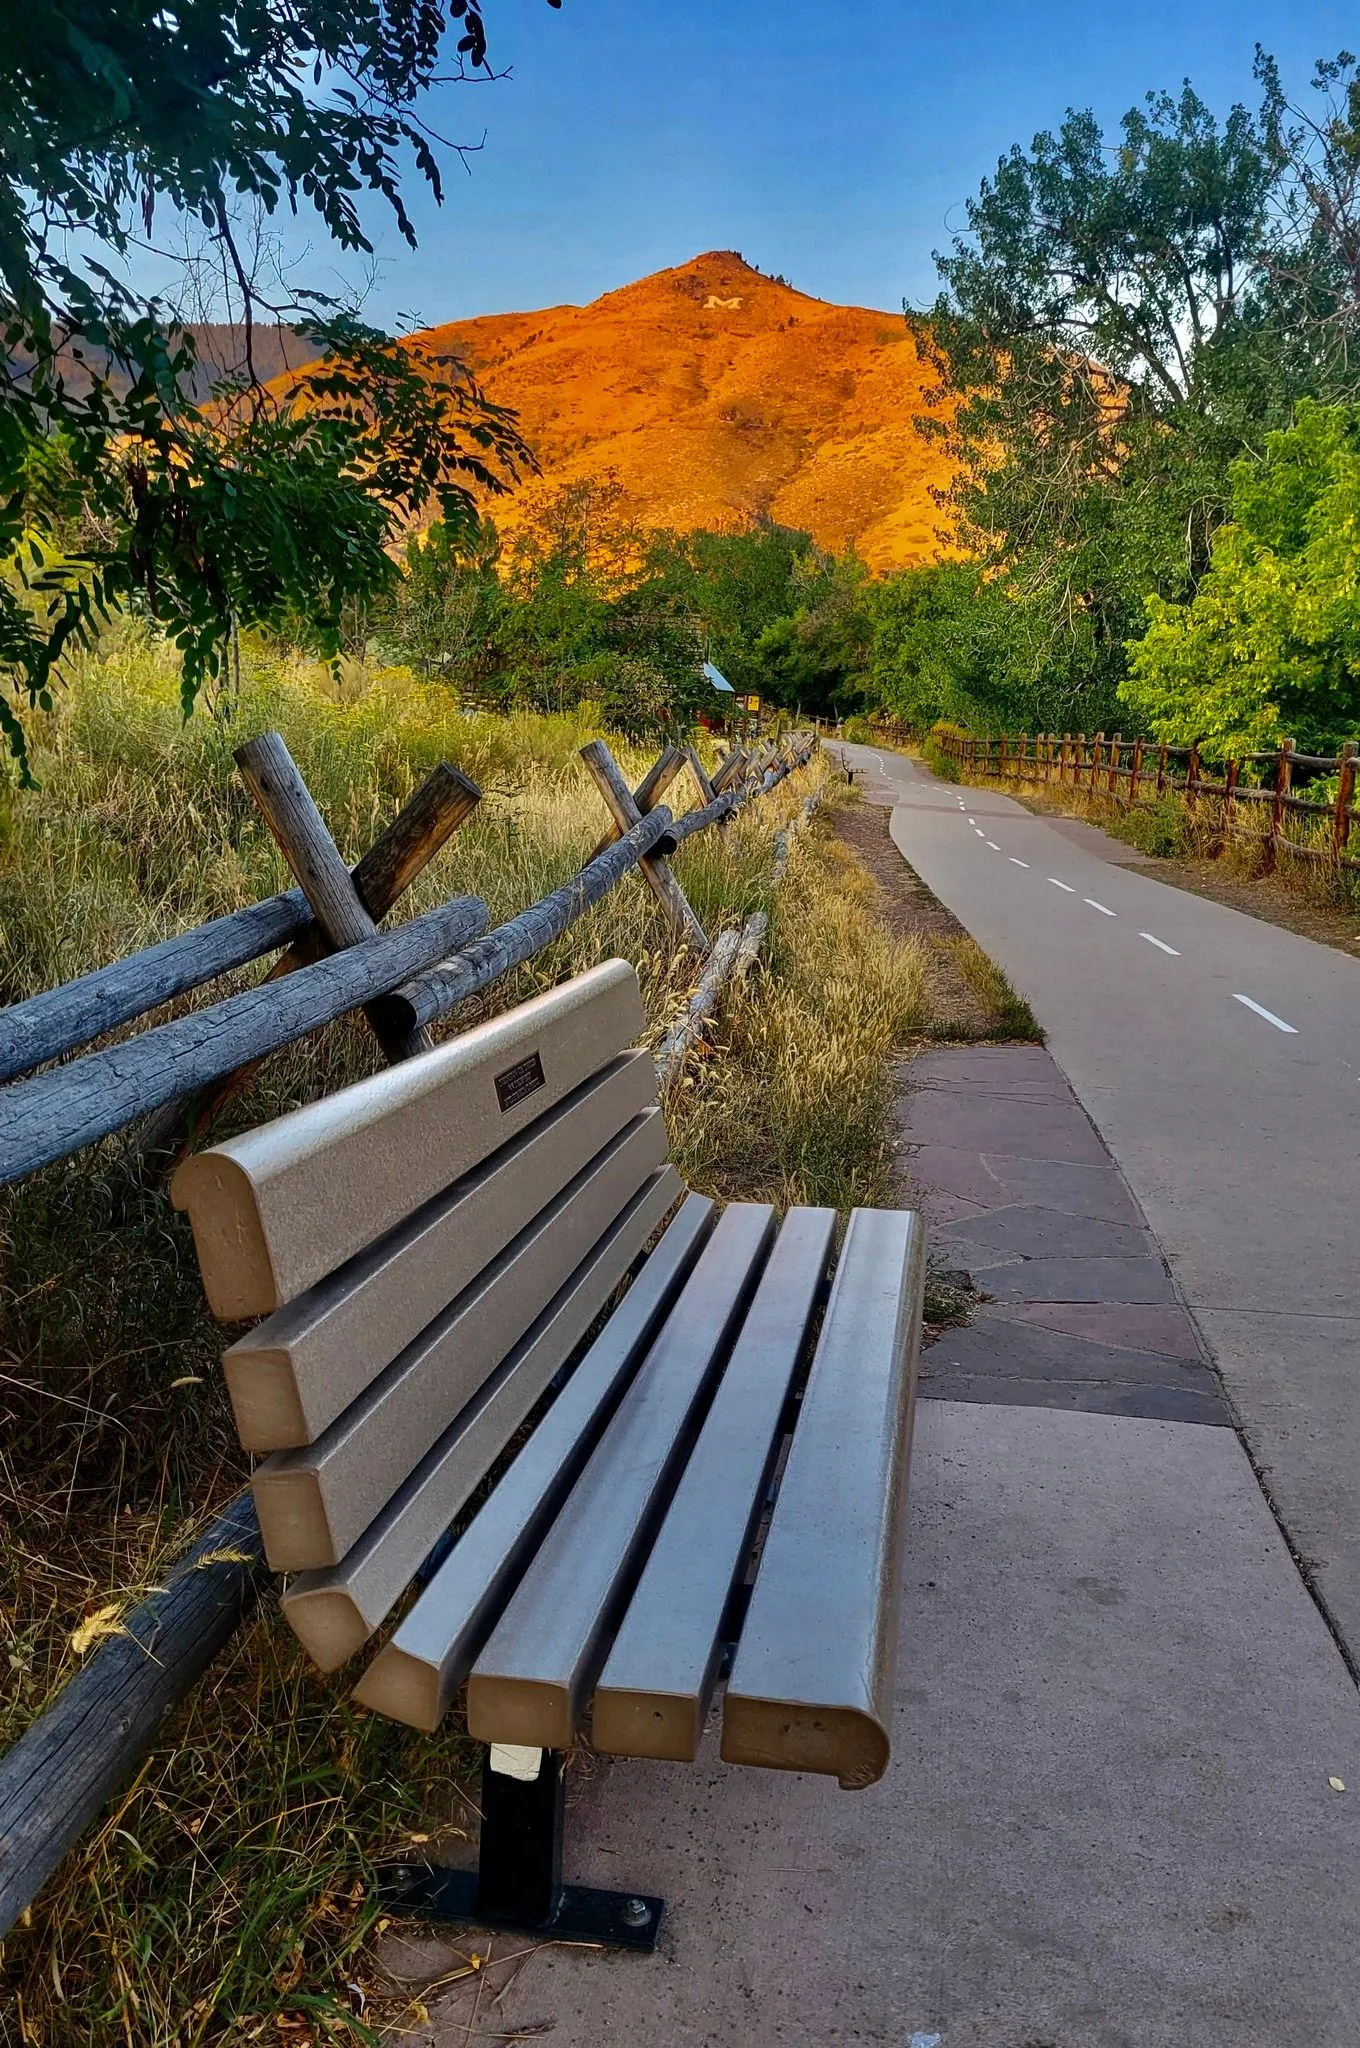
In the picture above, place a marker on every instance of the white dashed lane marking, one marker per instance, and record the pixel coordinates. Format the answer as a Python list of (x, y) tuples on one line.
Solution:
[(1269, 1015), (1247, 1002)]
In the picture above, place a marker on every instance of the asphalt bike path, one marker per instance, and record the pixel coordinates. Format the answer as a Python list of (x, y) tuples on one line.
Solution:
[(1219, 1058)]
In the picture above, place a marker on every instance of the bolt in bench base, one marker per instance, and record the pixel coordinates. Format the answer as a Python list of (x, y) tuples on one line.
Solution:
[(518, 1882)]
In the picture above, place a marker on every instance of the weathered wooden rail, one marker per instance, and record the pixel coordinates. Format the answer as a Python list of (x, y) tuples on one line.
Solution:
[(1130, 772), (336, 959), (170, 1079)]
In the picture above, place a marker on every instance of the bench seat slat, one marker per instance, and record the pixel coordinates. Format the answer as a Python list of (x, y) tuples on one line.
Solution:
[(653, 1694), (301, 1367), (811, 1685), (335, 1612), (530, 1683), (313, 1504), (417, 1674), (278, 1208)]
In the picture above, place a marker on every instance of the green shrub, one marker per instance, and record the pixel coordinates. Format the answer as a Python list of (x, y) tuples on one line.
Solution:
[(1163, 828), (934, 755)]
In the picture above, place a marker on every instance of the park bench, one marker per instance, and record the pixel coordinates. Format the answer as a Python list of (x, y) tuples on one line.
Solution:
[(431, 1252)]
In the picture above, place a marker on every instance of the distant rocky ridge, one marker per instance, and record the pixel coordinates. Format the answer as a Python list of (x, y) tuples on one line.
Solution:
[(713, 394), (221, 353)]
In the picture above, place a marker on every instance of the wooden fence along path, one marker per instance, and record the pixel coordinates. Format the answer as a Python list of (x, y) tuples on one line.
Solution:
[(169, 1082), (1253, 797)]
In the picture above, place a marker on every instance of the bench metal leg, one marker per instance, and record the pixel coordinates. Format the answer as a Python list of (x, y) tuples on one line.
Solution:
[(518, 1881)]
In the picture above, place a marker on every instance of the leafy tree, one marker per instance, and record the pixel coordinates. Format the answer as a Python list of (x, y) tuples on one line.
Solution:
[(261, 507), (447, 615), (922, 661), (953, 642), (1101, 319), (571, 607), (1123, 319), (1270, 644), (815, 658), (733, 586), (1312, 253)]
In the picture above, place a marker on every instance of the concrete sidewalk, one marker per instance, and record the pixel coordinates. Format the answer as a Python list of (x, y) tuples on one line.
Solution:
[(1107, 1823)]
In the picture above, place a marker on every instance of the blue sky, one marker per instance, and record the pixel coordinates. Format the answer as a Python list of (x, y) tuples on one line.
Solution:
[(634, 134)]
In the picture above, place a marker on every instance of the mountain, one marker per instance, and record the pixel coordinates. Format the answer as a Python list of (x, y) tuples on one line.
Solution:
[(221, 353), (716, 395)]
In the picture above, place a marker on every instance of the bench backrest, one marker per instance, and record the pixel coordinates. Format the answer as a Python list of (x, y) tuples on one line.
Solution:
[(426, 1248)]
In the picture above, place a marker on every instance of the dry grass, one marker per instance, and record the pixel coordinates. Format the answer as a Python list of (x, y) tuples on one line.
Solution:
[(796, 1103), (1008, 1015), (224, 1898)]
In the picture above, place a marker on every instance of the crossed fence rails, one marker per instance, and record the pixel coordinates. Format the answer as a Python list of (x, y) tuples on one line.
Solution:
[(172, 1079)]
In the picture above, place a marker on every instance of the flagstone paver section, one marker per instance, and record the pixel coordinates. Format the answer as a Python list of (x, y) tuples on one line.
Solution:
[(1020, 1191)]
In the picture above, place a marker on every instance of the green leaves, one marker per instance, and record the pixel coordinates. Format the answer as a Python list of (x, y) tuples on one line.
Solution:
[(263, 505), (1270, 645), (1125, 318)]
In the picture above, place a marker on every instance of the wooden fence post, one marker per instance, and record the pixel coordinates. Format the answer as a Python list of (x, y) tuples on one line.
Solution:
[(1345, 794), (730, 768), (1161, 769), (74, 1757), (1135, 770), (289, 810), (386, 871), (610, 782), (669, 763), (1078, 759), (1116, 745), (696, 768), (1230, 777), (1192, 777), (1284, 774)]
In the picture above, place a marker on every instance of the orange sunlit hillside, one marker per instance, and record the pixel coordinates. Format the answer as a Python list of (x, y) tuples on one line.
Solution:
[(716, 395)]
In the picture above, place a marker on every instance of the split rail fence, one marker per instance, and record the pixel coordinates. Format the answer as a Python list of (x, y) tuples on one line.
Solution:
[(1252, 798), (169, 1082)]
